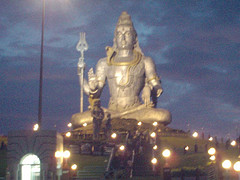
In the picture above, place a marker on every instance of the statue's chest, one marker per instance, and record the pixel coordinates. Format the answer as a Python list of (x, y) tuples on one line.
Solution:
[(123, 75)]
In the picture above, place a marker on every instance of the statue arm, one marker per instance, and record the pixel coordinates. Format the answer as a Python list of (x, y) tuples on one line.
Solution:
[(151, 76), (96, 81)]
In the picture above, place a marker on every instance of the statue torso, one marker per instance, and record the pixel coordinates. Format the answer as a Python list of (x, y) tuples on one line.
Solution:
[(125, 84)]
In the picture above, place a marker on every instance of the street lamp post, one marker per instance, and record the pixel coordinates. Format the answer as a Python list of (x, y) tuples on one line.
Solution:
[(41, 69), (166, 169)]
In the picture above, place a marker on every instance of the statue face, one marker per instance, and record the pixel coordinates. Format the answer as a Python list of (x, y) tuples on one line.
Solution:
[(124, 37)]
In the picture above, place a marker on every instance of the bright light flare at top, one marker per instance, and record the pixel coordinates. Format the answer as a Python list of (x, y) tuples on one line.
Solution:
[(84, 124), (139, 123), (69, 125), (210, 139)]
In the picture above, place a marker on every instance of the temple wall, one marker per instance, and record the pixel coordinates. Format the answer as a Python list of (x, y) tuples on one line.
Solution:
[(43, 144)]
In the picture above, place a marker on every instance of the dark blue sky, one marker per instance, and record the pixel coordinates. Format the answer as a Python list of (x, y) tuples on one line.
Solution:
[(195, 45)]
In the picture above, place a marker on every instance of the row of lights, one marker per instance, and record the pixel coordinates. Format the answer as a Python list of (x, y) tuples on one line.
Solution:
[(226, 164), (66, 154), (195, 135)]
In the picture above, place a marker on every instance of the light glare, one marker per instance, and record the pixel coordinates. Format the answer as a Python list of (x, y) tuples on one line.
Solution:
[(74, 167), (35, 127), (236, 166), (211, 151), (226, 164), (166, 153)]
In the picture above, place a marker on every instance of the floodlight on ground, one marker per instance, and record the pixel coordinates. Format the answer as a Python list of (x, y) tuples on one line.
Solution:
[(84, 124), (155, 147), (69, 125), (155, 123), (195, 134), (139, 123), (66, 154), (122, 148), (227, 164), (212, 158), (210, 139), (74, 167), (233, 143), (236, 166), (154, 161), (68, 134), (35, 127), (153, 134), (212, 151), (113, 135), (58, 154), (166, 153)]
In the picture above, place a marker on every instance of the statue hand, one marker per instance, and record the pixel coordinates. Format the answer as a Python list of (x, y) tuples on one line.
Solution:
[(158, 90), (146, 95), (92, 80)]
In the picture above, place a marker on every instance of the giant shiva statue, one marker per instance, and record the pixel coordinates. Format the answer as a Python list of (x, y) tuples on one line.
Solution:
[(128, 73)]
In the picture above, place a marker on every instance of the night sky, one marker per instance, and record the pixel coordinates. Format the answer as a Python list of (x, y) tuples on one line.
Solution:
[(195, 45)]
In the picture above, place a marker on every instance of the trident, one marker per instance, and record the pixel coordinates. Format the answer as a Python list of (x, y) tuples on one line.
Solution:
[(81, 46)]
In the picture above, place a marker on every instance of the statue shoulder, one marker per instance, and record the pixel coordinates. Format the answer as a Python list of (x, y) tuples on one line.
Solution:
[(148, 61), (102, 62)]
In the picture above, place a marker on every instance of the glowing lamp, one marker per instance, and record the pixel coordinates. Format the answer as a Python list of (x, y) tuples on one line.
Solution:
[(68, 134), (212, 158), (66, 154), (114, 135), (35, 127), (212, 151), (74, 167), (226, 164), (154, 161), (195, 134), (210, 139), (153, 135), (236, 166), (166, 153), (233, 143), (122, 148), (155, 123)]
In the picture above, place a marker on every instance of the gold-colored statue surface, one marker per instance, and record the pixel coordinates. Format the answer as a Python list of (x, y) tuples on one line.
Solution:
[(128, 73)]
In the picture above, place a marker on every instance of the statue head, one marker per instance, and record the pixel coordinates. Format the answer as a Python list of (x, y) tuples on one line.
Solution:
[(126, 22)]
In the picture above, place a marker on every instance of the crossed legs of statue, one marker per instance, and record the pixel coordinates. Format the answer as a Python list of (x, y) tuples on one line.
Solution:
[(145, 115)]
